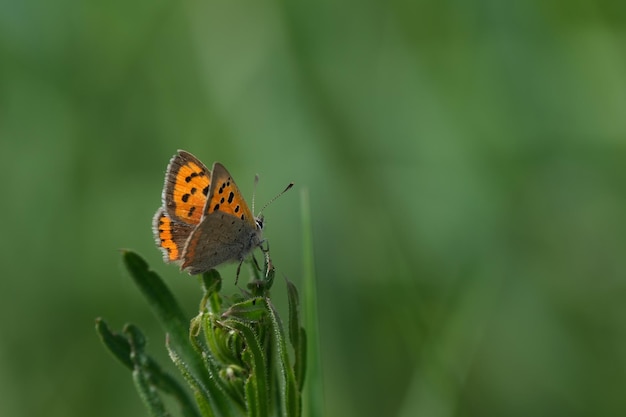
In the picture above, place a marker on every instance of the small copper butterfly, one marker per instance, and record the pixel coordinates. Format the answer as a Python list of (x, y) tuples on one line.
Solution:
[(204, 221)]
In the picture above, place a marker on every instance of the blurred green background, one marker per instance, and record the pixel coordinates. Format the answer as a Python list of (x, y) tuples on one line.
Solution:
[(466, 168)]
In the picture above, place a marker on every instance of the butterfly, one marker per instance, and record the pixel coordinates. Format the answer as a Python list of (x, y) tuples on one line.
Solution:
[(204, 220)]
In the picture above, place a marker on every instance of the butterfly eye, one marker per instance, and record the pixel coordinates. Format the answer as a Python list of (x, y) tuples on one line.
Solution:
[(259, 223)]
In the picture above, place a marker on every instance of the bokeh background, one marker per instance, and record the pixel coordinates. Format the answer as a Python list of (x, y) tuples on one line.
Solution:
[(466, 168)]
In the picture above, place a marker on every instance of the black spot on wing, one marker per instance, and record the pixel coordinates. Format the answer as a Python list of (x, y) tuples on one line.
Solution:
[(191, 176)]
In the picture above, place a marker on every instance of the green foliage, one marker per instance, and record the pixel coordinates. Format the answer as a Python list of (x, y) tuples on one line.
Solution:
[(233, 354), (313, 396)]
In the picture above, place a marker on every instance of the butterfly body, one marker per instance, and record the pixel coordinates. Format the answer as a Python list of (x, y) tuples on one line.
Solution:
[(221, 238), (204, 221)]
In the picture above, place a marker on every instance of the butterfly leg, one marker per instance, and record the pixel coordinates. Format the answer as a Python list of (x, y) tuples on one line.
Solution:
[(238, 271), (256, 263), (266, 254)]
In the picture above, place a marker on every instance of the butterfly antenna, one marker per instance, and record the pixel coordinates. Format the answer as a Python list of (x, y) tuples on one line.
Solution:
[(256, 181), (275, 197)]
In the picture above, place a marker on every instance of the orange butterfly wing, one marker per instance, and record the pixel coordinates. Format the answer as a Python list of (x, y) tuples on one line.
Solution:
[(224, 196), (170, 236), (184, 196), (186, 188)]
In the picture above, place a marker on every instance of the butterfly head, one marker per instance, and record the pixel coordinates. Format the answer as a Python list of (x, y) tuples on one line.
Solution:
[(260, 222)]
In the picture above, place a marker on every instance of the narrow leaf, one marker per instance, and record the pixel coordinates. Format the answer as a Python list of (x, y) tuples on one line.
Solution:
[(212, 399), (120, 346), (141, 376), (257, 394), (156, 292), (289, 395), (148, 394), (296, 335), (251, 310), (117, 344), (313, 394), (212, 284), (165, 307)]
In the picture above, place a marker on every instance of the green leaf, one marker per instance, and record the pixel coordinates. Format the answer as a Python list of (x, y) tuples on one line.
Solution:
[(219, 340), (142, 377), (157, 377), (233, 370), (294, 313), (261, 284), (313, 394), (257, 390), (297, 335), (251, 390), (129, 350), (289, 396), (300, 361), (117, 344), (199, 391), (148, 394), (159, 297), (250, 310), (211, 281), (211, 284), (173, 321)]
